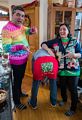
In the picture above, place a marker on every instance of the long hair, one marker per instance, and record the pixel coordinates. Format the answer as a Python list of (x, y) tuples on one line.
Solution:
[(67, 26)]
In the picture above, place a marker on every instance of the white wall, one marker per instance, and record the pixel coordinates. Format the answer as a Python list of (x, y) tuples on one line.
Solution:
[(43, 21), (2, 23)]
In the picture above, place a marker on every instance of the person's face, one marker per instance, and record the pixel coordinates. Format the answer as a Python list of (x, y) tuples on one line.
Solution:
[(18, 17), (63, 31)]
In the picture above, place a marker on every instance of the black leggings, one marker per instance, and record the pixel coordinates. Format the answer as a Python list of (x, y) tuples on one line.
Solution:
[(71, 82), (18, 74)]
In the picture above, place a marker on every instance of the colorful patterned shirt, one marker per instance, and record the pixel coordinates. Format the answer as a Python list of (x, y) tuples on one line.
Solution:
[(13, 35), (66, 65)]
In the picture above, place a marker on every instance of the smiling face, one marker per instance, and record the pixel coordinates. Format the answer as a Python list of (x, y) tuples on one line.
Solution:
[(18, 17), (63, 31)]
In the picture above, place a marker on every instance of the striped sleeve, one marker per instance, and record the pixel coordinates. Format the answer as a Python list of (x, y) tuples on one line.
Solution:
[(6, 40), (27, 30)]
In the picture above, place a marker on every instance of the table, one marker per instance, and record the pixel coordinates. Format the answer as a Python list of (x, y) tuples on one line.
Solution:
[(5, 83)]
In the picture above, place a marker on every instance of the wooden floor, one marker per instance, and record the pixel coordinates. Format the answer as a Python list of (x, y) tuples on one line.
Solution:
[(44, 111)]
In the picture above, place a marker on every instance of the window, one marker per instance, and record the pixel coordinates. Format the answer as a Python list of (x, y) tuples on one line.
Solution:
[(4, 16), (2, 24)]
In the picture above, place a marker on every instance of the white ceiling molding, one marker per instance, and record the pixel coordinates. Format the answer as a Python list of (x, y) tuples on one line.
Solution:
[(4, 3), (8, 3), (19, 2), (4, 0)]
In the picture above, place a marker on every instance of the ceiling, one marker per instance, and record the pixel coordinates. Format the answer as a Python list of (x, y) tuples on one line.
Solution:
[(4, 3), (4, 0)]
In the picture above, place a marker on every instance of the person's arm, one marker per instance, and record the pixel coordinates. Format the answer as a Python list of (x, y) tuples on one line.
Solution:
[(31, 30), (77, 54), (73, 55), (45, 47), (6, 40), (78, 51)]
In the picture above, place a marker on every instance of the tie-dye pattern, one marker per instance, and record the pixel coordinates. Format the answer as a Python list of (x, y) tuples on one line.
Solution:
[(14, 35)]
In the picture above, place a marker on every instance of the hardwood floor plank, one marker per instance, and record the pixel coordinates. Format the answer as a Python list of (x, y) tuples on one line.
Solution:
[(44, 111)]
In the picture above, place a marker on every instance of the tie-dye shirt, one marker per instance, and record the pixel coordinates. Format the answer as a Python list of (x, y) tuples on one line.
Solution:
[(14, 35)]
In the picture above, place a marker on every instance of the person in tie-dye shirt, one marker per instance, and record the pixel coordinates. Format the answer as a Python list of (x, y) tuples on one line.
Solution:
[(15, 43)]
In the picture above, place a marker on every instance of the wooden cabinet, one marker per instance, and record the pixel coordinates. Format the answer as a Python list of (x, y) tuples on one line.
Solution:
[(58, 15), (32, 10), (71, 16), (78, 25)]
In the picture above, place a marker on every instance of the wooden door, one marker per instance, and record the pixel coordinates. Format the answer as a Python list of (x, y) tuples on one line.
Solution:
[(33, 13)]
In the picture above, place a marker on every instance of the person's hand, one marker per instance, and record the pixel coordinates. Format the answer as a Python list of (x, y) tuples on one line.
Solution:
[(33, 30), (70, 55), (51, 52), (27, 49), (59, 55)]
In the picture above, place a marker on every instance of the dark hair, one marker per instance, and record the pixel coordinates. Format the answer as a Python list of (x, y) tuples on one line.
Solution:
[(14, 8), (67, 26)]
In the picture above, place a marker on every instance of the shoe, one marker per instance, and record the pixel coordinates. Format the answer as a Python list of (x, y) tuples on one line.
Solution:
[(33, 106), (61, 103), (21, 106), (69, 113), (53, 105), (23, 94)]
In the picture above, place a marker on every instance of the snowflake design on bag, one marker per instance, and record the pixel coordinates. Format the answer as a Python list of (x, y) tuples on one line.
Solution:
[(47, 67)]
